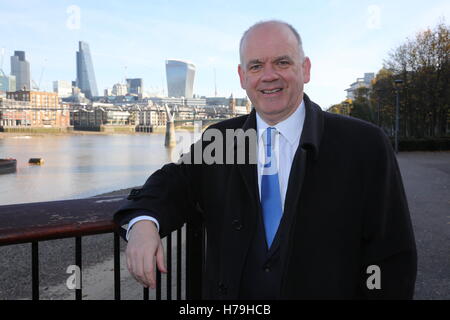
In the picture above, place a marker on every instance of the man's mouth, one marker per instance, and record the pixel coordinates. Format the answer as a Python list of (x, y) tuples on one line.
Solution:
[(271, 91)]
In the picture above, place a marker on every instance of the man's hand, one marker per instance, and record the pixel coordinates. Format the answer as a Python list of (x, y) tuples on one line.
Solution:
[(143, 245)]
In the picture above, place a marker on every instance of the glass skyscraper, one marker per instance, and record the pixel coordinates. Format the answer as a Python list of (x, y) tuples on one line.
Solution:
[(7, 83), (85, 71), (180, 78), (20, 68), (135, 86)]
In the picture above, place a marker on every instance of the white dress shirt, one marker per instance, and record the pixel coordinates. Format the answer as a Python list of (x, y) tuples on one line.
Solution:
[(288, 140), (286, 144)]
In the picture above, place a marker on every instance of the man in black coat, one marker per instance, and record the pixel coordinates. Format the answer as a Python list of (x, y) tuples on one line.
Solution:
[(344, 230)]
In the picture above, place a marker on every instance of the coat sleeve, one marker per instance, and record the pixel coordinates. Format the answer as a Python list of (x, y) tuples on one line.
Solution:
[(388, 239), (169, 195)]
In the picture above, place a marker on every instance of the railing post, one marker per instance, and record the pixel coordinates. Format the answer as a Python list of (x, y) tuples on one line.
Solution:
[(35, 270), (194, 259), (169, 266), (116, 266), (78, 261), (179, 257)]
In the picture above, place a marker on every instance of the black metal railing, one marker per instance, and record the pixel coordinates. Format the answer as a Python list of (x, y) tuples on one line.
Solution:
[(36, 222)]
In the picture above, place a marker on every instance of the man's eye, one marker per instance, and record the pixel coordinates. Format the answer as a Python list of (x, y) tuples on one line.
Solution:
[(255, 67), (283, 63)]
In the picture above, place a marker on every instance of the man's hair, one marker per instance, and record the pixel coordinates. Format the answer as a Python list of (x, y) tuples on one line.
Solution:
[(294, 31)]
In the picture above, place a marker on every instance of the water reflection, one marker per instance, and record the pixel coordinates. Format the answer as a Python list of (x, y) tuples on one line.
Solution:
[(80, 165)]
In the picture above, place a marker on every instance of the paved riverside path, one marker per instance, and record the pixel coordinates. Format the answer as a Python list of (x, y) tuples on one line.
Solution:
[(426, 176)]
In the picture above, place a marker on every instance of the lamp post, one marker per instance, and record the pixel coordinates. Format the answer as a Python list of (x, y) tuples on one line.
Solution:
[(397, 83), (346, 108)]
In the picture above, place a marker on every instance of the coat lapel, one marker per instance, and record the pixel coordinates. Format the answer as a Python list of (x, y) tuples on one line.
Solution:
[(307, 153)]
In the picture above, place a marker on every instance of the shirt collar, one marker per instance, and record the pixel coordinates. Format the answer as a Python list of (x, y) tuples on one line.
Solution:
[(290, 128)]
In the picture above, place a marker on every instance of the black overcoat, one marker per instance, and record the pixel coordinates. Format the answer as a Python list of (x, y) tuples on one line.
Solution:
[(347, 201)]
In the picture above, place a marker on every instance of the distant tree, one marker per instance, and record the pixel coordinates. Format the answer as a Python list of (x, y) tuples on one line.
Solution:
[(362, 106), (423, 63)]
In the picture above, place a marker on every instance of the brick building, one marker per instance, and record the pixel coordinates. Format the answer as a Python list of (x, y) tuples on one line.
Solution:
[(44, 109)]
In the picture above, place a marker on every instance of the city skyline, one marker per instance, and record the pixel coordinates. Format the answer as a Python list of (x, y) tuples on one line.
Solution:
[(343, 39)]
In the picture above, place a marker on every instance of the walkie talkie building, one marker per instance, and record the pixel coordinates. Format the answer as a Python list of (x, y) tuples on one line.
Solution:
[(180, 78), (85, 71)]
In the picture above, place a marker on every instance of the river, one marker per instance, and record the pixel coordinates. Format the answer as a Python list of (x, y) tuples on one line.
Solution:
[(77, 166)]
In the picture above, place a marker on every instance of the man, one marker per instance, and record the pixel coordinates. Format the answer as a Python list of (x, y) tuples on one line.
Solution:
[(332, 213)]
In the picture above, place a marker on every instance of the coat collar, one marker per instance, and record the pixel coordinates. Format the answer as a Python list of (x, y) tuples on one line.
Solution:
[(312, 128)]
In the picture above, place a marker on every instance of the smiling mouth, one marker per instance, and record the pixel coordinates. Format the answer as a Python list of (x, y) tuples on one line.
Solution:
[(271, 91)]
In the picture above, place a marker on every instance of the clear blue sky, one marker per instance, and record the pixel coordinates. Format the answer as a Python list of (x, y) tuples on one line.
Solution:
[(343, 39)]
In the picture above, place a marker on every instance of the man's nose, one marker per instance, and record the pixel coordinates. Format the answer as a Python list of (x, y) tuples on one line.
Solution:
[(269, 74)]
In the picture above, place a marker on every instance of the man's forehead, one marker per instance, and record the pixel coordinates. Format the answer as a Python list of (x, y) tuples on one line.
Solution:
[(269, 49), (269, 31)]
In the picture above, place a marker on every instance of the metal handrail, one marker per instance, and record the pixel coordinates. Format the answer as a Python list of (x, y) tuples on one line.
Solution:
[(41, 221)]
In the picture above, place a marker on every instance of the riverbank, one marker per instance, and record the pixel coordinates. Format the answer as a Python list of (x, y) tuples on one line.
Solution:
[(43, 132)]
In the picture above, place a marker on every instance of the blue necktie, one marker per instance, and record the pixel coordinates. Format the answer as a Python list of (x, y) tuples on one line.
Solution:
[(270, 188)]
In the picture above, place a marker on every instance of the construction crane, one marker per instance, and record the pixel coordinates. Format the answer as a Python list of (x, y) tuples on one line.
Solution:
[(38, 85)]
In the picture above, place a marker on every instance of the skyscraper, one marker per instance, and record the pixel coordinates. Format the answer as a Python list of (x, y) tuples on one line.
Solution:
[(85, 71), (134, 86), (180, 78), (7, 83), (20, 68)]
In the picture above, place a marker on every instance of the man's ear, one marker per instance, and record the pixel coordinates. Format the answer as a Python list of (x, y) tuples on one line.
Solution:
[(241, 76), (306, 70)]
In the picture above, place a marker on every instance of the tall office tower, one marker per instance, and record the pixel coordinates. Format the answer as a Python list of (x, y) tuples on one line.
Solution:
[(20, 68), (180, 78), (135, 86), (85, 71)]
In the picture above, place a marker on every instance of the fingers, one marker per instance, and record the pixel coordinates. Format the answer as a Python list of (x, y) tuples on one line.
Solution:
[(148, 271), (136, 266), (160, 259)]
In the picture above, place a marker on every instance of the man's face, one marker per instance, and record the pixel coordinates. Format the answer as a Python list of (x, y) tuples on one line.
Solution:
[(272, 72)]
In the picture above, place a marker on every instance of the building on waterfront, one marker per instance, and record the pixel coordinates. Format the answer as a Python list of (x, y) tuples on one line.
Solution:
[(20, 68), (62, 88), (14, 113), (7, 83), (44, 109), (365, 82), (135, 86), (180, 78), (85, 71), (151, 118), (93, 118)]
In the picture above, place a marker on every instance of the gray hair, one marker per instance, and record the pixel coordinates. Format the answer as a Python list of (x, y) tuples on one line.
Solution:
[(294, 31)]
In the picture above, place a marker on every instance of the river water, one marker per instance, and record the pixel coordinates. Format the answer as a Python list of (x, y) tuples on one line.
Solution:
[(78, 166)]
